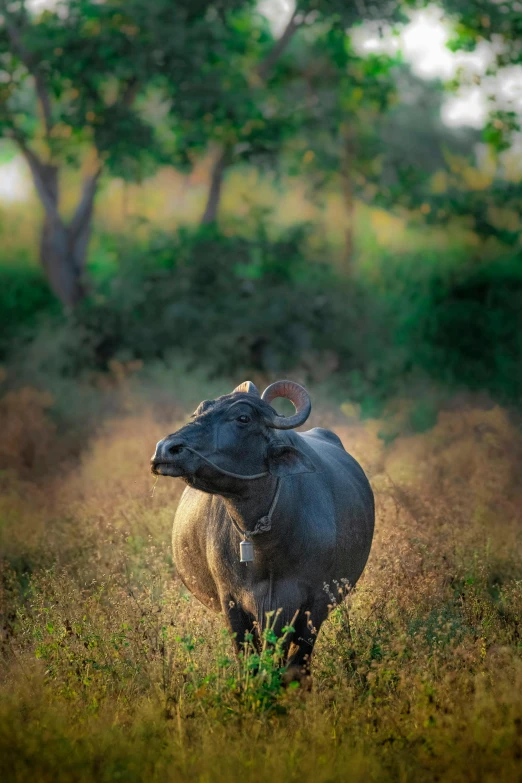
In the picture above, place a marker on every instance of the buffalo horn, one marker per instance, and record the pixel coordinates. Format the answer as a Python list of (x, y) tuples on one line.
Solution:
[(297, 396), (247, 387)]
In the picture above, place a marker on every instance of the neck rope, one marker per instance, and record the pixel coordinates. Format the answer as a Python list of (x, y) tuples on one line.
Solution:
[(264, 524), (226, 472)]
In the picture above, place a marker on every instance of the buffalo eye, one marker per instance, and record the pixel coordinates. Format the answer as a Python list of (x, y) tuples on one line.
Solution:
[(244, 419)]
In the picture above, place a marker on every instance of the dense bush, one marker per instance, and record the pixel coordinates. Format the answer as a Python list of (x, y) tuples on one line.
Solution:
[(227, 303), (476, 328), (272, 305), (24, 295)]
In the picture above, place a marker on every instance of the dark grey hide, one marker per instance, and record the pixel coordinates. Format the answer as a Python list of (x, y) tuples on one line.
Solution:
[(321, 530)]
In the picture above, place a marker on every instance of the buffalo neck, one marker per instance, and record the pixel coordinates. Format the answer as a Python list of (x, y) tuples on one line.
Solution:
[(254, 502)]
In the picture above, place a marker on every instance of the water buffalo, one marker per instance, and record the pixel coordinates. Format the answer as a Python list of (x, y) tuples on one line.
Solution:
[(269, 516)]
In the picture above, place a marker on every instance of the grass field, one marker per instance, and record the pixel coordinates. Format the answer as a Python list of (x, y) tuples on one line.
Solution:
[(110, 671)]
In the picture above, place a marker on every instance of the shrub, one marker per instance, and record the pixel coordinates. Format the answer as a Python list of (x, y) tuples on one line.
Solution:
[(271, 305), (227, 303), (476, 328), (24, 295)]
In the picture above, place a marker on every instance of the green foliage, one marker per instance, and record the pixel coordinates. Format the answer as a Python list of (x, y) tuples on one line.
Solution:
[(233, 303), (475, 326), (270, 304), (498, 24), (283, 98), (481, 20), (340, 98), (24, 296), (97, 63), (261, 673)]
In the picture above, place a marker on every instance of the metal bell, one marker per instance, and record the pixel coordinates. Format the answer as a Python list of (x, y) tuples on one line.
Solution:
[(246, 552)]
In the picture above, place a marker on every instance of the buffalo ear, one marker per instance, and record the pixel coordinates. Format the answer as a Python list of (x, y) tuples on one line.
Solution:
[(286, 460), (248, 387)]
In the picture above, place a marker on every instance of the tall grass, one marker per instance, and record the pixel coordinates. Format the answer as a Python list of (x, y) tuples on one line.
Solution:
[(112, 671)]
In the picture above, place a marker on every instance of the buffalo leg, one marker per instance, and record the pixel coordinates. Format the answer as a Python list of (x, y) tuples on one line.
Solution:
[(302, 646), (239, 623)]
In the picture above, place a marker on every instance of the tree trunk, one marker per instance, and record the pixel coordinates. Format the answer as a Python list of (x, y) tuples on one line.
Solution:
[(63, 254), (62, 260), (54, 240), (348, 197), (223, 160), (63, 248)]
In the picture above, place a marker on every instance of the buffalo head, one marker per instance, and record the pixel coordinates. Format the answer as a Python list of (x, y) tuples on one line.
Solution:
[(237, 437)]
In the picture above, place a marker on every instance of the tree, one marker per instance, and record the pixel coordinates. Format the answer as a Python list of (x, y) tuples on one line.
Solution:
[(238, 127), (74, 83), (259, 114), (487, 203), (343, 98)]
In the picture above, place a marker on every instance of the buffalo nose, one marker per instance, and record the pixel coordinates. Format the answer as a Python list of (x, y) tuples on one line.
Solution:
[(174, 448), (166, 449)]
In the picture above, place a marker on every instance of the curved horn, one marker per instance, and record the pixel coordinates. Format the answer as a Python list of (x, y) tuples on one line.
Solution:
[(248, 387), (297, 395)]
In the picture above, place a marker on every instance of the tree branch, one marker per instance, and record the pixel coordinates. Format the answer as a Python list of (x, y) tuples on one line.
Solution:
[(84, 208), (38, 172), (130, 92), (32, 66), (264, 68)]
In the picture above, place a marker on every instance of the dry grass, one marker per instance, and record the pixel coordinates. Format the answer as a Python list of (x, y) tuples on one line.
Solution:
[(110, 671)]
